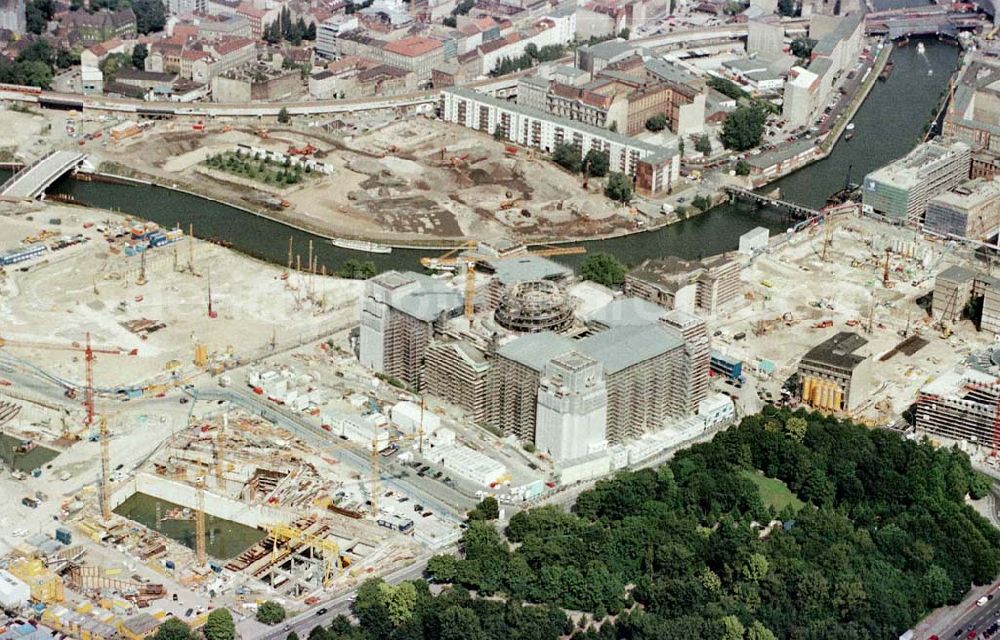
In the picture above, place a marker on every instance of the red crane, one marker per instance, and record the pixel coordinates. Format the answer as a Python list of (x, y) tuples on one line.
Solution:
[(89, 357)]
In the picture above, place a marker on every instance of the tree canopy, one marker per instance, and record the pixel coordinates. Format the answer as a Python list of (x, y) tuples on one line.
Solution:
[(597, 163), (173, 629), (568, 157), (802, 47), (270, 612), (743, 128), (603, 268), (619, 187), (150, 15), (884, 536), (220, 625), (657, 122)]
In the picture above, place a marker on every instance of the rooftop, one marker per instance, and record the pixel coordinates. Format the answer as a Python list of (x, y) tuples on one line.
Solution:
[(969, 194), (910, 170), (535, 350), (624, 312), (837, 351), (413, 46), (421, 296), (521, 268), (621, 347)]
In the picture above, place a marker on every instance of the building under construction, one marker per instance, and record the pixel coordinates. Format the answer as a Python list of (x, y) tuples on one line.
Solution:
[(956, 287), (497, 357), (457, 371), (704, 286), (960, 405), (399, 312)]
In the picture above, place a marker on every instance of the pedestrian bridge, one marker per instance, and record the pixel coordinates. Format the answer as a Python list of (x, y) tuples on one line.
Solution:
[(32, 181)]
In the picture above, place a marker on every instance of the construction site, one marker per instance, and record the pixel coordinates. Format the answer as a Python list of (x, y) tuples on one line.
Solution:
[(119, 349), (412, 181)]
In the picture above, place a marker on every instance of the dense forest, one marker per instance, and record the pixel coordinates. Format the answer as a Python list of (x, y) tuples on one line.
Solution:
[(792, 525)]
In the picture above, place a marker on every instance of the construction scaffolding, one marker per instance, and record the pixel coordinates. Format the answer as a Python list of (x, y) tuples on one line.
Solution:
[(456, 371), (535, 306)]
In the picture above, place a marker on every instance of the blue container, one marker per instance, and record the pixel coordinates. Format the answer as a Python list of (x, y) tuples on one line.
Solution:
[(64, 535), (168, 564), (215, 567)]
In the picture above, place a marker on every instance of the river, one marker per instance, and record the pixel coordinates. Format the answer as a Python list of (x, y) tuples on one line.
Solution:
[(889, 124)]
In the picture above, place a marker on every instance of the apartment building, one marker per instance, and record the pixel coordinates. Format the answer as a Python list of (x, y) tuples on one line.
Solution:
[(655, 168)]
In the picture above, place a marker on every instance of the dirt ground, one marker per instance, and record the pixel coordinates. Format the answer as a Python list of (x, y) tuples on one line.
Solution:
[(792, 291), (411, 181), (90, 288)]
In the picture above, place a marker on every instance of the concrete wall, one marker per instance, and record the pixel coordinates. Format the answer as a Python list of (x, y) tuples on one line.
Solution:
[(186, 496)]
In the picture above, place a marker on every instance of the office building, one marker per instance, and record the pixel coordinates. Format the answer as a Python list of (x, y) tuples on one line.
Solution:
[(900, 191), (702, 286), (962, 404), (572, 408), (692, 367), (970, 210), (456, 371)]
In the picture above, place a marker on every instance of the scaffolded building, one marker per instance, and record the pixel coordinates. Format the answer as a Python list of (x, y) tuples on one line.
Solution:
[(961, 405), (457, 371), (399, 313), (691, 370)]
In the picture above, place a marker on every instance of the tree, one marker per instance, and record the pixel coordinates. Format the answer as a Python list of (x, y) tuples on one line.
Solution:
[(283, 116), (75, 5), (796, 428), (624, 33), (37, 15), (732, 7), (532, 50), (703, 144), (757, 631), (727, 88), (270, 612), (113, 63), (450, 21), (357, 269), (568, 157), (498, 133), (173, 629), (149, 15), (743, 128), (787, 8), (597, 163), (459, 623), (603, 268), (311, 32), (619, 187), (802, 47), (680, 147), (139, 54), (742, 168), (701, 203), (487, 509), (657, 122), (220, 625)]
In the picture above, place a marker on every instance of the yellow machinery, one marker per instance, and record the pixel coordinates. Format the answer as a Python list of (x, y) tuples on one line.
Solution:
[(822, 394), (295, 536), (46, 587), (469, 258)]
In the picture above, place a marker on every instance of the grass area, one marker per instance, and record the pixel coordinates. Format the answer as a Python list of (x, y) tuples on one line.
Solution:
[(261, 170), (774, 493)]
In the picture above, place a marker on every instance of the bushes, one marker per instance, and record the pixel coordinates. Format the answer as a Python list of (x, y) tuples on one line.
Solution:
[(270, 612)]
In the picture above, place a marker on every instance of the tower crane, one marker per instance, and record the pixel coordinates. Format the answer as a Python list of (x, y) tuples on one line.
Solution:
[(89, 351), (469, 258), (105, 472)]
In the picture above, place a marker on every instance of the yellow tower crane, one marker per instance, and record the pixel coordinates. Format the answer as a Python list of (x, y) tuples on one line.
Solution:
[(295, 536)]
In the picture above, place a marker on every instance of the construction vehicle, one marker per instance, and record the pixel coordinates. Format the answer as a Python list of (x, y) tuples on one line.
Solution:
[(262, 133), (307, 150), (510, 204), (89, 352), (469, 258), (825, 324)]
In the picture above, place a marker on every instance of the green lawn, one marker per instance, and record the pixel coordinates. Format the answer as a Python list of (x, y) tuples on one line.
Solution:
[(774, 493)]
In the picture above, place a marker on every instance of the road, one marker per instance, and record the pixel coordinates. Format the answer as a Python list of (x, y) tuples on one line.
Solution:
[(974, 618), (303, 623)]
